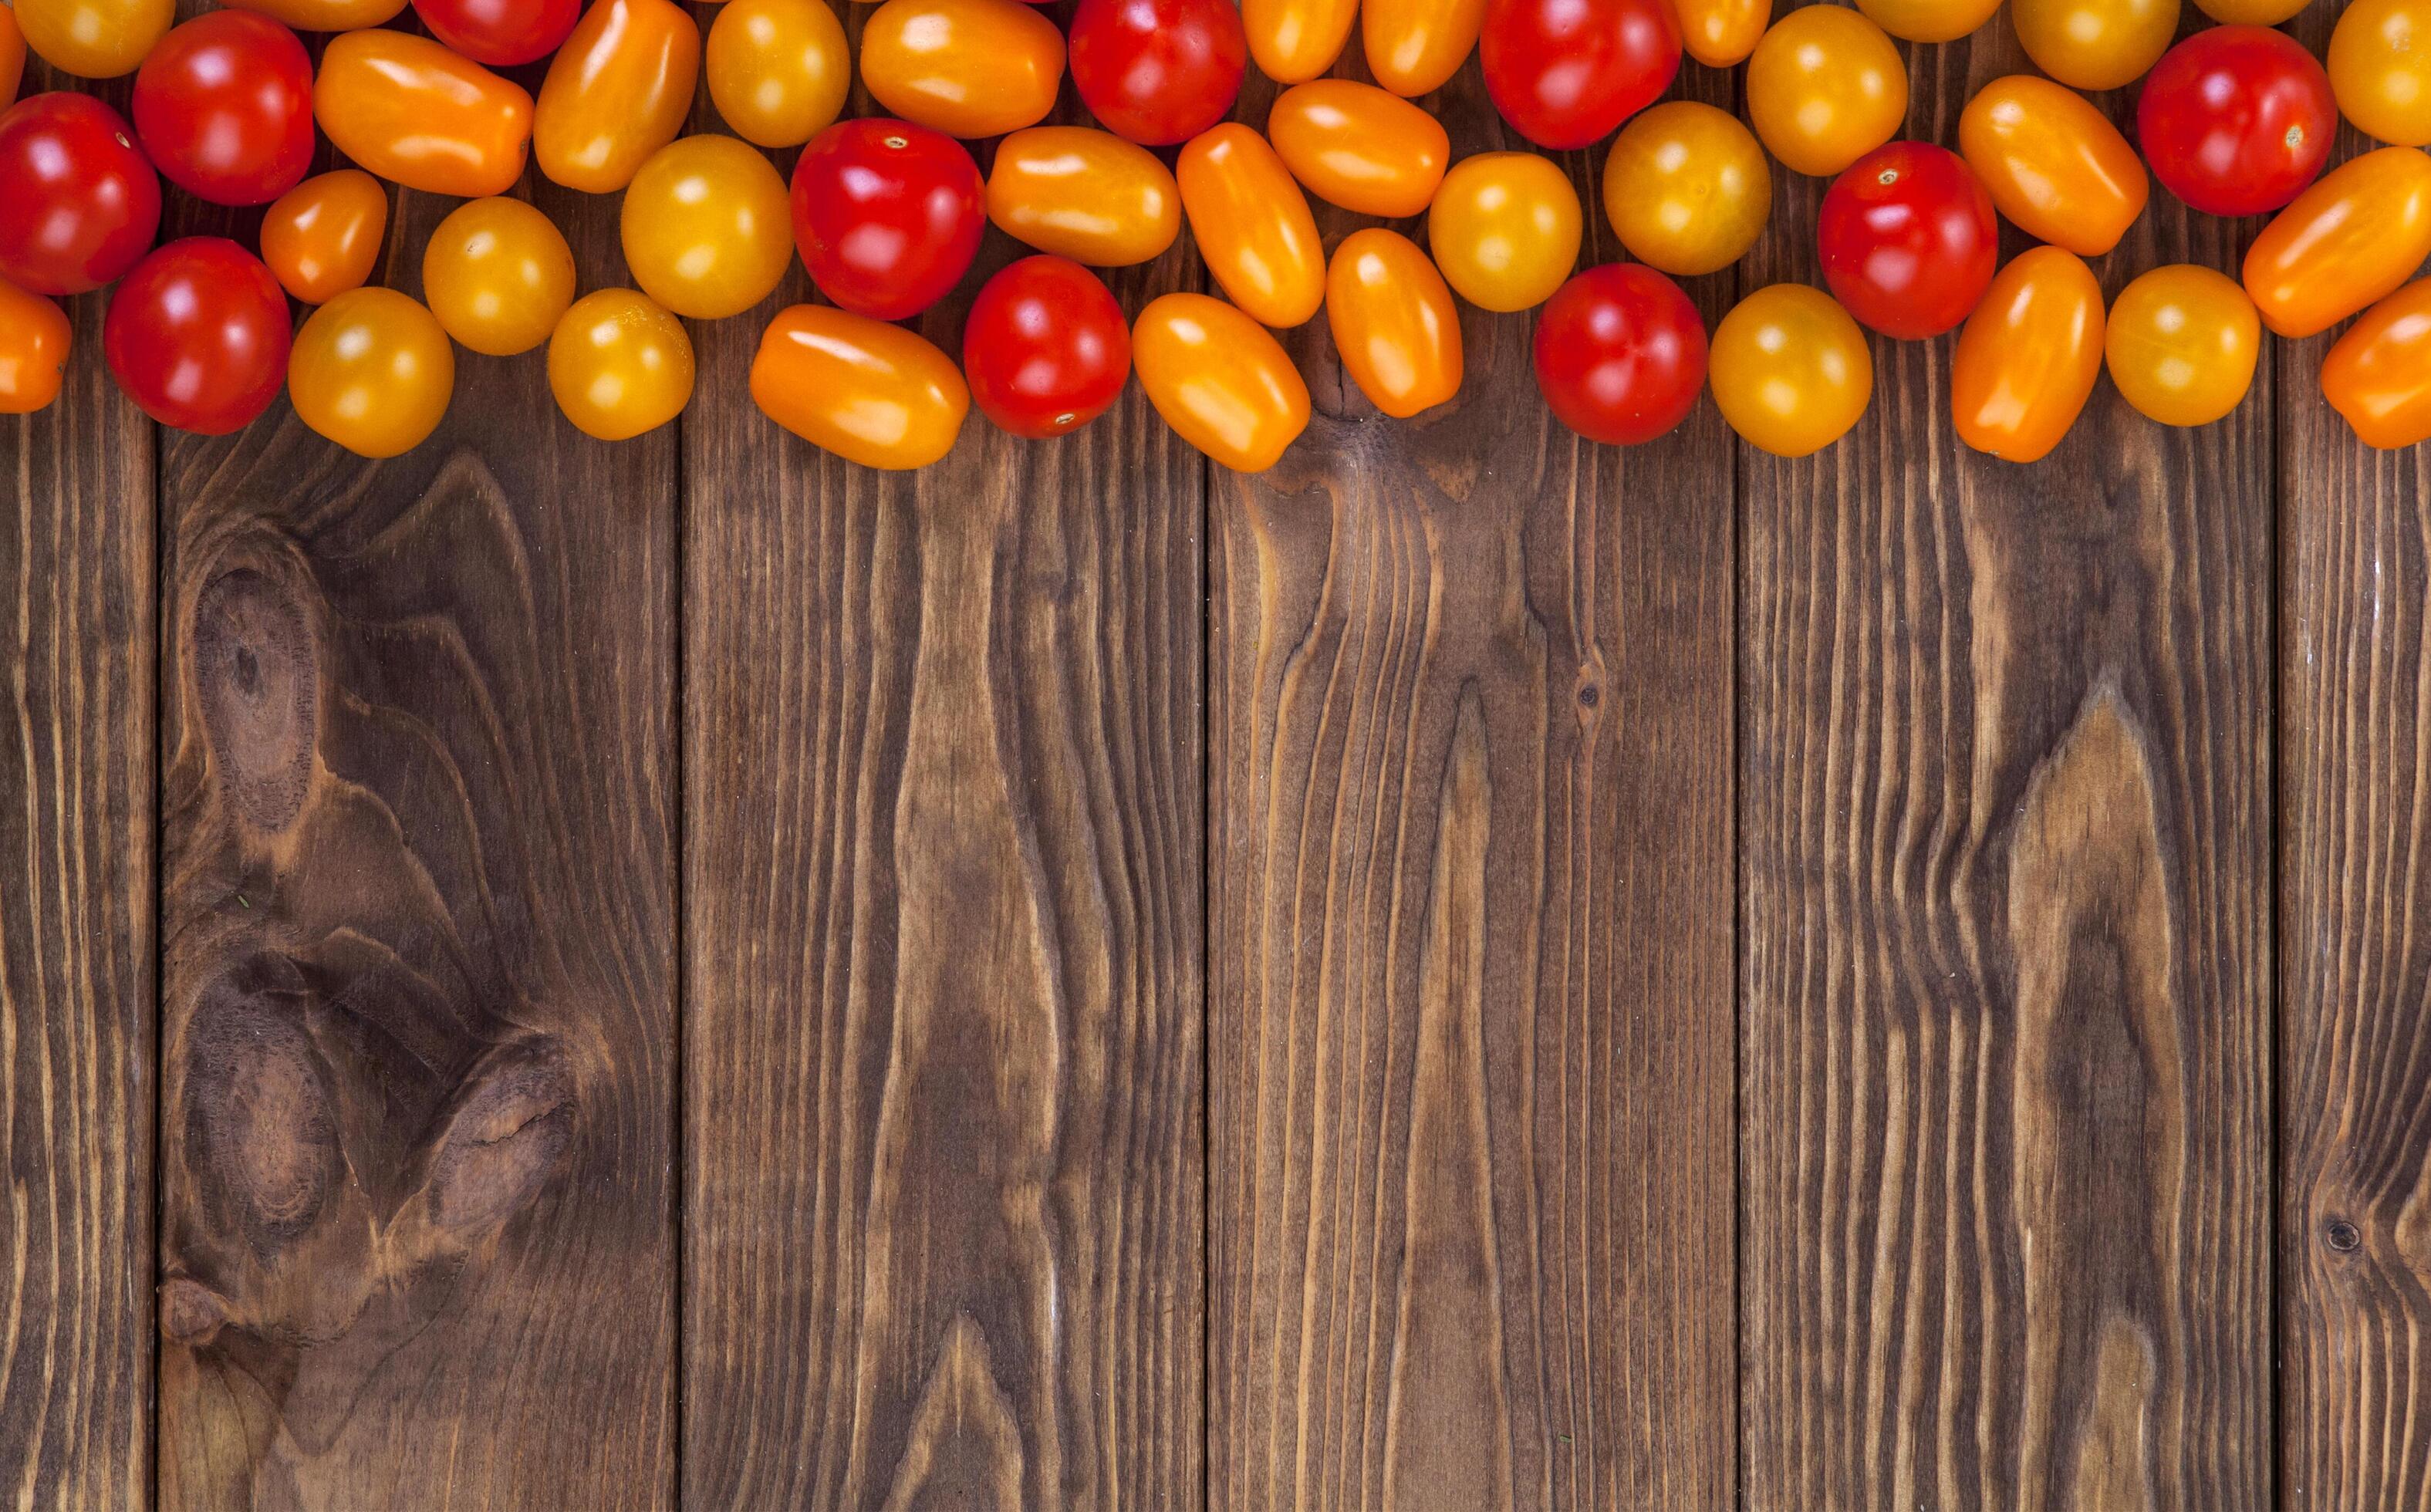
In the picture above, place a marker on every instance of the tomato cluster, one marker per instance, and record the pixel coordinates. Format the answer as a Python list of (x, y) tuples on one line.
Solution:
[(887, 213)]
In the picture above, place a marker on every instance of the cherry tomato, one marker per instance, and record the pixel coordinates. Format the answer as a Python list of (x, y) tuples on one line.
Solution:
[(12, 59), (1085, 194), (224, 107), (2379, 376), (327, 15), (1220, 381), (501, 33), (95, 38), (1045, 347), (1504, 230), (1721, 33), (706, 227), (871, 392), (197, 335), (1363, 148), (416, 114), (78, 203), (1252, 225), (2180, 343), (886, 214), (1790, 370), (1824, 88), (1928, 21), (1908, 240), (778, 70), (2095, 45), (619, 365), (2028, 357), (1565, 72), (1294, 41), (498, 275), (968, 68), (34, 340), (2380, 69), (2236, 120), (1393, 323), (2347, 240), (2251, 13), (323, 237), (1686, 189), (617, 91), (1620, 354), (373, 372), (2054, 164), (1157, 71)]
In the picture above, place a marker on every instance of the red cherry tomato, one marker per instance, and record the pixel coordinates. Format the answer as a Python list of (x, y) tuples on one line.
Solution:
[(197, 335), (78, 203), (1620, 354), (224, 107), (2236, 120), (1047, 349), (1566, 72), (887, 215), (1157, 71), (1909, 239), (500, 33)]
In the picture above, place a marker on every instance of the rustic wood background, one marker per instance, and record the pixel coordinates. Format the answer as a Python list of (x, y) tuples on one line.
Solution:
[(1474, 970)]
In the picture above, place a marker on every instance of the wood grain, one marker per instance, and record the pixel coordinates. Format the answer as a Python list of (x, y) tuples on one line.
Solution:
[(2005, 1127)]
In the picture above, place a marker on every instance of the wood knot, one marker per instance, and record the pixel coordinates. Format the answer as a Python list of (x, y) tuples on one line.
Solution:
[(1589, 695), (259, 1112), (191, 1313), (506, 1133), (2342, 1235), (259, 677)]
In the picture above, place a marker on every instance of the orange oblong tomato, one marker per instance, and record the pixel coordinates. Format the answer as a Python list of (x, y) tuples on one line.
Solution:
[(1363, 148), (1294, 41), (2054, 164), (1415, 46), (2379, 376), (1721, 33), (323, 237), (34, 336), (871, 392), (416, 114), (968, 68), (1393, 323), (1085, 194), (2357, 233), (617, 91), (1220, 379), (1252, 224), (2029, 356)]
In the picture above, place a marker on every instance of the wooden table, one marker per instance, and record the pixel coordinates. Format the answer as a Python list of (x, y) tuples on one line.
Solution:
[(1474, 970)]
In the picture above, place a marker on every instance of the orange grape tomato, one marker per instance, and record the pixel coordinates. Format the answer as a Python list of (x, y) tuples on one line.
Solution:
[(968, 68), (1394, 324), (1928, 21), (1415, 45), (1085, 194), (778, 70), (498, 275), (2028, 357), (12, 55), (1252, 224), (708, 227), (2379, 376), (1220, 379), (327, 15), (871, 392), (619, 365), (2095, 45), (416, 114), (93, 39), (1790, 370), (323, 237), (1721, 33), (617, 91), (1363, 148), (1504, 229), (2358, 232), (2181, 343), (372, 371), (1294, 41), (2055, 164), (1686, 188), (1824, 88), (34, 339), (2380, 69)]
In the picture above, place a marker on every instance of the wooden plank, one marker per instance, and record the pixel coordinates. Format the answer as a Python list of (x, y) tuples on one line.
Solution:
[(419, 952), (2006, 1131), (1470, 1035)]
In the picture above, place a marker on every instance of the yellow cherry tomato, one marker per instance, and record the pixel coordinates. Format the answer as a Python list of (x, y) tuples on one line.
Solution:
[(871, 392), (2054, 164), (1363, 148), (498, 275), (1721, 33), (34, 337), (1415, 47), (619, 365), (1824, 88), (416, 114), (1686, 187), (707, 228), (323, 237), (1393, 323), (1220, 379), (1504, 229), (2379, 376), (1294, 41), (327, 15), (12, 55), (2095, 45), (95, 38), (372, 371), (1790, 370), (778, 70), (968, 68), (2380, 69), (1252, 224), (2358, 232), (1085, 194), (1928, 21), (2181, 341), (2251, 13), (617, 91), (2030, 353)]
